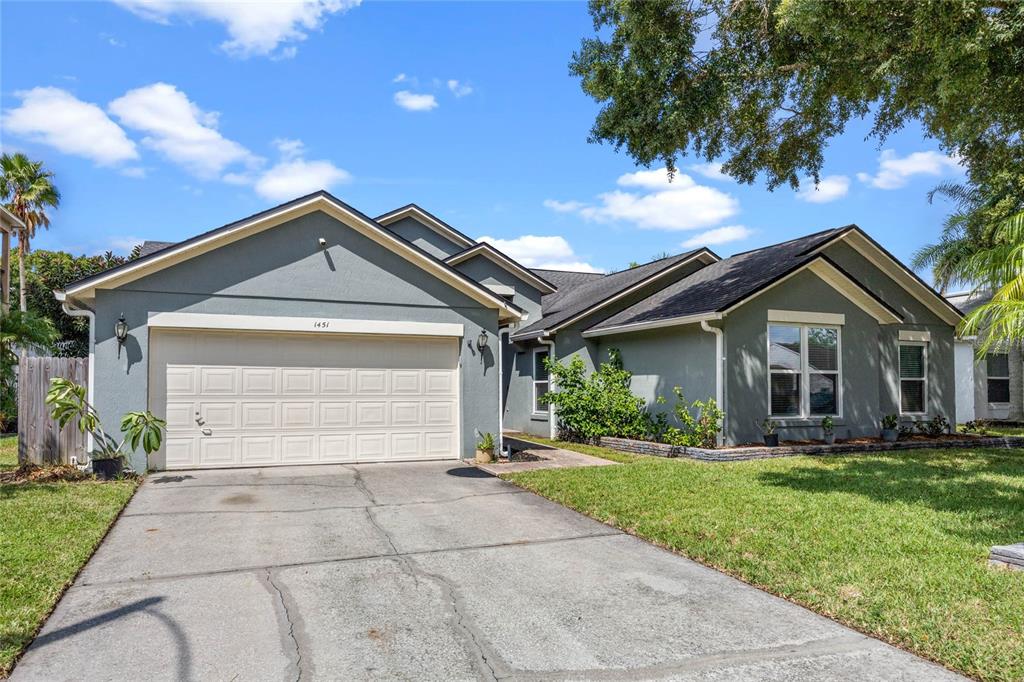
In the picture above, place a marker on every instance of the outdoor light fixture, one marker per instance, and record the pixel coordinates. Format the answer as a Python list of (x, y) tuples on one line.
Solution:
[(121, 332), (481, 341)]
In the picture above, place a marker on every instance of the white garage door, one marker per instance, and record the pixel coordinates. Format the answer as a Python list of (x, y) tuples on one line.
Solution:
[(250, 399)]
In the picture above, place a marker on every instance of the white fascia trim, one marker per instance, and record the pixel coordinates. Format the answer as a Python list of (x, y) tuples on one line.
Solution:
[(426, 219), (506, 264), (10, 220), (802, 317), (174, 255), (899, 274), (626, 292), (314, 325), (501, 289), (911, 335), (654, 324)]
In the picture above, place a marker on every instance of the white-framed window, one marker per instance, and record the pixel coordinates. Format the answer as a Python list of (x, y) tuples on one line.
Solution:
[(540, 380), (913, 377), (804, 370), (998, 377)]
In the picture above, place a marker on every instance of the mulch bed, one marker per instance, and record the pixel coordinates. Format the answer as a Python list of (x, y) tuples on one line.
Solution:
[(33, 473)]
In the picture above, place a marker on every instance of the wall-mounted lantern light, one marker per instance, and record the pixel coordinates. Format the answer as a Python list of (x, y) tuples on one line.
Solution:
[(481, 341), (121, 332)]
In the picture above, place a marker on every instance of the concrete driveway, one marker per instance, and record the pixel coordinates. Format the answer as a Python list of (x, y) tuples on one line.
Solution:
[(414, 571)]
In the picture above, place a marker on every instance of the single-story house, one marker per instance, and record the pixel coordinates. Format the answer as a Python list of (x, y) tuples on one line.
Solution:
[(991, 387), (311, 333)]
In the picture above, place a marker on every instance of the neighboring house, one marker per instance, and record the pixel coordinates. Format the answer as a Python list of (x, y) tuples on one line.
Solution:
[(989, 387), (313, 333), (9, 225)]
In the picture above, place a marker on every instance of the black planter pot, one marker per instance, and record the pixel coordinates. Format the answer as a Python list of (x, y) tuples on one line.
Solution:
[(107, 469), (771, 440), (829, 438)]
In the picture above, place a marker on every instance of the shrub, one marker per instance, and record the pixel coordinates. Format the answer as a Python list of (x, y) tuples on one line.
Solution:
[(599, 405), (936, 426), (700, 431)]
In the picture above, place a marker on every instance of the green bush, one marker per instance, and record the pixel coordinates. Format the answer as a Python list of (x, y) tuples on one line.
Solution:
[(601, 404), (701, 422)]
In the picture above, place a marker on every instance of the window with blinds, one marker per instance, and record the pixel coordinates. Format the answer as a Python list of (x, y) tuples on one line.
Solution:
[(913, 378), (997, 367), (804, 370), (540, 380)]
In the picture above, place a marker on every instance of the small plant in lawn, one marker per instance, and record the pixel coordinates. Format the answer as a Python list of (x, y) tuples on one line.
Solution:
[(974, 427), (68, 402)]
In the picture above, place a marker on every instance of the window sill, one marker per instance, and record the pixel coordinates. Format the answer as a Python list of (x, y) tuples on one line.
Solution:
[(805, 421), (539, 416)]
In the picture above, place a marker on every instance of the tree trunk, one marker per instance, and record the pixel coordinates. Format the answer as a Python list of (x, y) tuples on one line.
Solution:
[(21, 272)]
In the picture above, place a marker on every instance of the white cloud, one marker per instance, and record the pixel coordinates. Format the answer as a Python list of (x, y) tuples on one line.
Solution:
[(400, 78), (288, 148), (894, 172), (254, 28), (459, 89), (411, 101), (829, 188), (535, 251), (712, 171), (563, 206), (291, 179), (57, 118), (180, 130), (719, 235), (656, 203), (123, 244)]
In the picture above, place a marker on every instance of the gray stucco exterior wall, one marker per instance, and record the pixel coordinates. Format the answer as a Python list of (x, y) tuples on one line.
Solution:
[(427, 239), (1013, 410), (282, 272)]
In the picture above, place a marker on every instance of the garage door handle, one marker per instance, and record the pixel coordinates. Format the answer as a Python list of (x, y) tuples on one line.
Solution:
[(207, 432)]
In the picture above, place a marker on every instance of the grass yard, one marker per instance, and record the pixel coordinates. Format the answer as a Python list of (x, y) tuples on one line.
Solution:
[(47, 532), (892, 544)]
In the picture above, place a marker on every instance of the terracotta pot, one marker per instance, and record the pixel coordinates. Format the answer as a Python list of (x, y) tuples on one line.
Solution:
[(484, 457)]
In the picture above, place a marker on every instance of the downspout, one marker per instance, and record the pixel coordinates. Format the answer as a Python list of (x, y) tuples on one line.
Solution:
[(550, 343), (501, 389), (84, 312), (719, 372)]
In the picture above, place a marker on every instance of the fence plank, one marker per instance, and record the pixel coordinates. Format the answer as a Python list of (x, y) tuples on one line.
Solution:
[(40, 440)]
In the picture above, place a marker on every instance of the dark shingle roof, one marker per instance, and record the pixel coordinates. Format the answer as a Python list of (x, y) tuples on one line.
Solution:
[(563, 280), (149, 247), (967, 301), (719, 285), (589, 293)]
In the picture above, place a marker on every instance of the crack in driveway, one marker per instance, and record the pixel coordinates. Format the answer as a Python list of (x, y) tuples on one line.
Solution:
[(297, 661)]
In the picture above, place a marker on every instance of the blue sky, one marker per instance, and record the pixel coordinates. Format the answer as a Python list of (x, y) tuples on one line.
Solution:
[(165, 119)]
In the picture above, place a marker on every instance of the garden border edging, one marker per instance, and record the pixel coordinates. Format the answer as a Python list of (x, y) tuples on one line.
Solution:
[(640, 447)]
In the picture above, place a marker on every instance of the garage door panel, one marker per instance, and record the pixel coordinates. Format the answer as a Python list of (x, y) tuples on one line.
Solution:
[(263, 399), (336, 448), (258, 450), (217, 451), (298, 415), (259, 381), (371, 446), (298, 449), (217, 380), (259, 415)]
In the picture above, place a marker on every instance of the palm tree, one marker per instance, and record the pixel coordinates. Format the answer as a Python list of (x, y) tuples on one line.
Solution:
[(999, 269), (28, 190)]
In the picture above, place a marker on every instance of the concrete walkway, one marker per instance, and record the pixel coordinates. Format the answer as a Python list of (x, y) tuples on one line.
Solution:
[(415, 571)]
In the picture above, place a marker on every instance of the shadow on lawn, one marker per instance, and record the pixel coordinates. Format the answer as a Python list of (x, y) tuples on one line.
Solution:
[(944, 481)]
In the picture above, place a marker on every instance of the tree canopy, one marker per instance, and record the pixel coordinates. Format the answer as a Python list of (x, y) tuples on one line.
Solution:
[(766, 84)]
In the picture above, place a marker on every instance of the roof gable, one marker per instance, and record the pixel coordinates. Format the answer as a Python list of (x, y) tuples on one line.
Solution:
[(318, 201), (593, 295), (485, 250), (427, 219)]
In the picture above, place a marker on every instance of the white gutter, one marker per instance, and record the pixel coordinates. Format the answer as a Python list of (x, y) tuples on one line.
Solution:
[(719, 372), (654, 324), (550, 343), (501, 386), (91, 315)]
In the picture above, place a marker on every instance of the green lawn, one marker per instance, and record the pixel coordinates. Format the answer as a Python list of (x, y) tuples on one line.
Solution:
[(892, 544), (998, 430), (47, 532)]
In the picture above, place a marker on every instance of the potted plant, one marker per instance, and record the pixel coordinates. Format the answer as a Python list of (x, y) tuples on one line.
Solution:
[(485, 449), (768, 426), (828, 428), (67, 401), (890, 428)]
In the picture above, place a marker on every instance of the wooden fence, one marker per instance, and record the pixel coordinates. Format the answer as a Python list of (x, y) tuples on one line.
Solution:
[(40, 440)]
